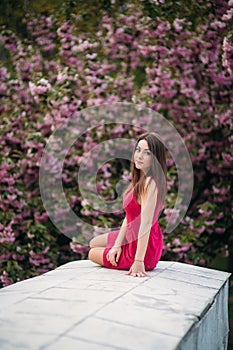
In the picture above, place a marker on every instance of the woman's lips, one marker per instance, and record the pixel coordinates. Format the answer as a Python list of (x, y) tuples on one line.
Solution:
[(138, 161)]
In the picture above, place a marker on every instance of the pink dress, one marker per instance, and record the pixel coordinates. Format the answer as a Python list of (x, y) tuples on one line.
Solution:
[(129, 245)]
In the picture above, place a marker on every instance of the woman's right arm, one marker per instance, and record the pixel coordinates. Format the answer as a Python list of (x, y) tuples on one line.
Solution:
[(121, 234), (114, 253)]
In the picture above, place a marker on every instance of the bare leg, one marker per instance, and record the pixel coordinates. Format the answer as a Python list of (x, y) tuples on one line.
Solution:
[(96, 255), (97, 245), (99, 241)]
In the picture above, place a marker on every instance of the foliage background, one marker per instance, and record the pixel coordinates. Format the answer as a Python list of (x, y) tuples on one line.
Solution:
[(59, 57)]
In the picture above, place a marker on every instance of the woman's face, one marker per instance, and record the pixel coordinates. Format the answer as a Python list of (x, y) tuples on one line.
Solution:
[(143, 156)]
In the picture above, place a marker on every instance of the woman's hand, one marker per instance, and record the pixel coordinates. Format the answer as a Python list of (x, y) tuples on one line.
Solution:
[(138, 270), (113, 255)]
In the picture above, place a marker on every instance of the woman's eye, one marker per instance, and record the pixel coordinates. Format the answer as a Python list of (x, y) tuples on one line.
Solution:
[(147, 153)]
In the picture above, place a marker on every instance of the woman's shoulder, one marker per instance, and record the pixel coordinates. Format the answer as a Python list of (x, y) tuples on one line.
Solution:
[(150, 188), (150, 183)]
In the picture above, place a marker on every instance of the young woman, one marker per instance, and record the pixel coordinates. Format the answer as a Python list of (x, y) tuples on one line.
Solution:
[(138, 245)]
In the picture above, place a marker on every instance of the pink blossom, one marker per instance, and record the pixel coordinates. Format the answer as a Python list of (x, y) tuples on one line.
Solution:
[(222, 190), (202, 261), (43, 218), (38, 258), (204, 212), (210, 222), (229, 14), (201, 229), (5, 279), (79, 249), (176, 241), (220, 230), (227, 55), (178, 24), (30, 235), (7, 234), (186, 247), (217, 24), (169, 213)]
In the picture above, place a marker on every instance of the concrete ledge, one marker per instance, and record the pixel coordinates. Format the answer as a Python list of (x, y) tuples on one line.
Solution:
[(81, 305)]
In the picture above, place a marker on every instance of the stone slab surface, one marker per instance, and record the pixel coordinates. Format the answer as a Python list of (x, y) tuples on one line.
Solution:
[(81, 305)]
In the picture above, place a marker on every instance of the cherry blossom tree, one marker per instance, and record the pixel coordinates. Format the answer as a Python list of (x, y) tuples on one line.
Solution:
[(144, 53)]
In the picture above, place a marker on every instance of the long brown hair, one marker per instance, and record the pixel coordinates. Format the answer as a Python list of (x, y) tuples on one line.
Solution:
[(157, 171)]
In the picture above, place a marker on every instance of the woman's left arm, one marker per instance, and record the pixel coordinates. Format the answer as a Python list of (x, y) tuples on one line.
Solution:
[(148, 205)]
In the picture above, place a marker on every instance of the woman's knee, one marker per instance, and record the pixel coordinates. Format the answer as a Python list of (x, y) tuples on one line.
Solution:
[(90, 253), (99, 241), (96, 255), (93, 254), (92, 243)]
